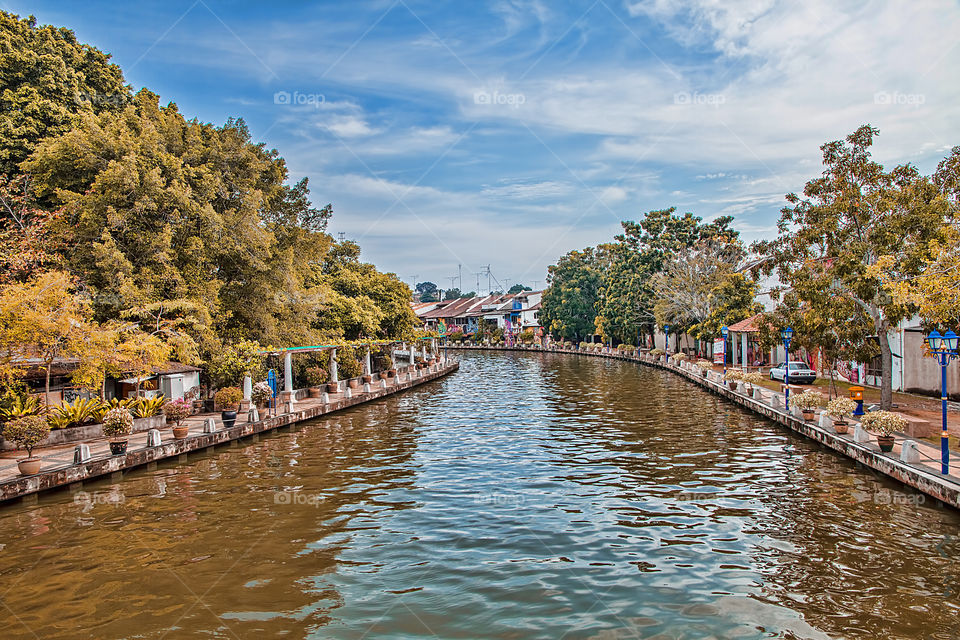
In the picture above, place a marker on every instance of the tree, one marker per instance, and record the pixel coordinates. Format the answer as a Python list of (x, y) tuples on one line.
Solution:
[(627, 297), (39, 319), (48, 80), (518, 288), (427, 291), (26, 247), (835, 235), (452, 294), (569, 304), (701, 290)]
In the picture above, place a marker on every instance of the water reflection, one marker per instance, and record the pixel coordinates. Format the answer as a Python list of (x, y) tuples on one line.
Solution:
[(526, 497)]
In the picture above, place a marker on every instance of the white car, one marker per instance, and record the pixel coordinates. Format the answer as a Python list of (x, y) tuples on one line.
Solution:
[(800, 373)]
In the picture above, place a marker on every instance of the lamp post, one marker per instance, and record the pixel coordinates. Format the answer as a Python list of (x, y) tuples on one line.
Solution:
[(725, 332), (787, 335), (945, 348), (666, 343)]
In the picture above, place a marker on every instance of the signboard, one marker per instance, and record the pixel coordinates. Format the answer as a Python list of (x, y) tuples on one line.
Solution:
[(443, 327), (719, 350)]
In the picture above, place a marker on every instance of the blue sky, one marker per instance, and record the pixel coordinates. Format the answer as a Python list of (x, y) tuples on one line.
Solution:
[(507, 133)]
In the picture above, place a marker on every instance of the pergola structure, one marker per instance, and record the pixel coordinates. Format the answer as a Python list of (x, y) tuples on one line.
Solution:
[(288, 397)]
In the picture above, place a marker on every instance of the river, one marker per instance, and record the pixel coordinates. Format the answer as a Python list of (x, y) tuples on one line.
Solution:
[(526, 496)]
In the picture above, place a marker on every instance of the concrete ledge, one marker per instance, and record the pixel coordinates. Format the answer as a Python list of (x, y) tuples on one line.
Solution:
[(64, 476), (943, 488)]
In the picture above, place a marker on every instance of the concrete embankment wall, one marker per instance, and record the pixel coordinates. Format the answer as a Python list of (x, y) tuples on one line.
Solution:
[(67, 475)]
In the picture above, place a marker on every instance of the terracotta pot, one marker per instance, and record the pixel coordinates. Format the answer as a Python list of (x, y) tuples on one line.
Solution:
[(808, 415), (29, 466), (733, 385), (353, 383), (391, 373), (366, 378), (886, 443), (315, 392), (332, 387), (118, 447), (841, 426), (384, 375), (180, 433)]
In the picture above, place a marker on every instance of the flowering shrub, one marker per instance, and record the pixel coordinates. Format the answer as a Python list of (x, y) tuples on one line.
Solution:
[(177, 410), (679, 357), (808, 400), (705, 365), (262, 392), (884, 422), (734, 375), (27, 432), (752, 378), (316, 376), (228, 398), (840, 408), (657, 352), (117, 422)]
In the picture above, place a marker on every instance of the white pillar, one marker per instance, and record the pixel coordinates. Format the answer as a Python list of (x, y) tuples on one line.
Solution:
[(247, 388), (333, 366), (744, 344), (288, 371), (366, 363)]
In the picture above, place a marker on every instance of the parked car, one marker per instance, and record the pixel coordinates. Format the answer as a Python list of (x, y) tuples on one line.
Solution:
[(800, 373)]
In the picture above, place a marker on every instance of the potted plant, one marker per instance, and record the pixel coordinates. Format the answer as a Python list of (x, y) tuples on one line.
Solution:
[(176, 412), (808, 402), (705, 366), (733, 377), (27, 432), (750, 380), (228, 401), (838, 409), (316, 376), (884, 423), (262, 393), (117, 425)]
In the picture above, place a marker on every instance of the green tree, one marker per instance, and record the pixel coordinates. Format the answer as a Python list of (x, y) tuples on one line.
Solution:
[(427, 291), (569, 304), (518, 288), (834, 236), (48, 80)]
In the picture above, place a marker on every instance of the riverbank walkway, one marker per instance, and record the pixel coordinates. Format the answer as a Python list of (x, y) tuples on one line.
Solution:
[(58, 468), (914, 460)]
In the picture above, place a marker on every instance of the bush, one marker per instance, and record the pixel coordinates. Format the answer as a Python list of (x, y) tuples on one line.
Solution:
[(840, 408), (884, 422), (27, 432), (177, 410), (19, 407), (228, 398), (752, 378), (705, 365), (657, 352), (734, 375), (117, 422), (315, 376), (347, 364), (809, 400), (78, 412), (262, 393), (148, 407)]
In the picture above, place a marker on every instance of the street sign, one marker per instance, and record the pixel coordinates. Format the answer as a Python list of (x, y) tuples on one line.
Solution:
[(443, 328)]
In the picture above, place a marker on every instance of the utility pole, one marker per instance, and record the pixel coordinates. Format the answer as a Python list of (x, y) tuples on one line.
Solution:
[(460, 276), (414, 280), (478, 274)]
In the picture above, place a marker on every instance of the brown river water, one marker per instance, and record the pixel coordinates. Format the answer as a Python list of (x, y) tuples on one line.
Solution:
[(526, 496)]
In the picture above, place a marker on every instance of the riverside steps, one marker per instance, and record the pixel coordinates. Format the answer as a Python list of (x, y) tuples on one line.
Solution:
[(60, 471), (915, 463)]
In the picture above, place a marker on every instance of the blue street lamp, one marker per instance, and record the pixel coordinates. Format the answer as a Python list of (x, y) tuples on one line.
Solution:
[(725, 332), (945, 348), (787, 335), (666, 343)]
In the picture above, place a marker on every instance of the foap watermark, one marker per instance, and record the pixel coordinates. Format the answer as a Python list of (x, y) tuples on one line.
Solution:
[(899, 99), (893, 497), (87, 501), (500, 499), (299, 99), (298, 498), (101, 99), (686, 98), (513, 100)]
